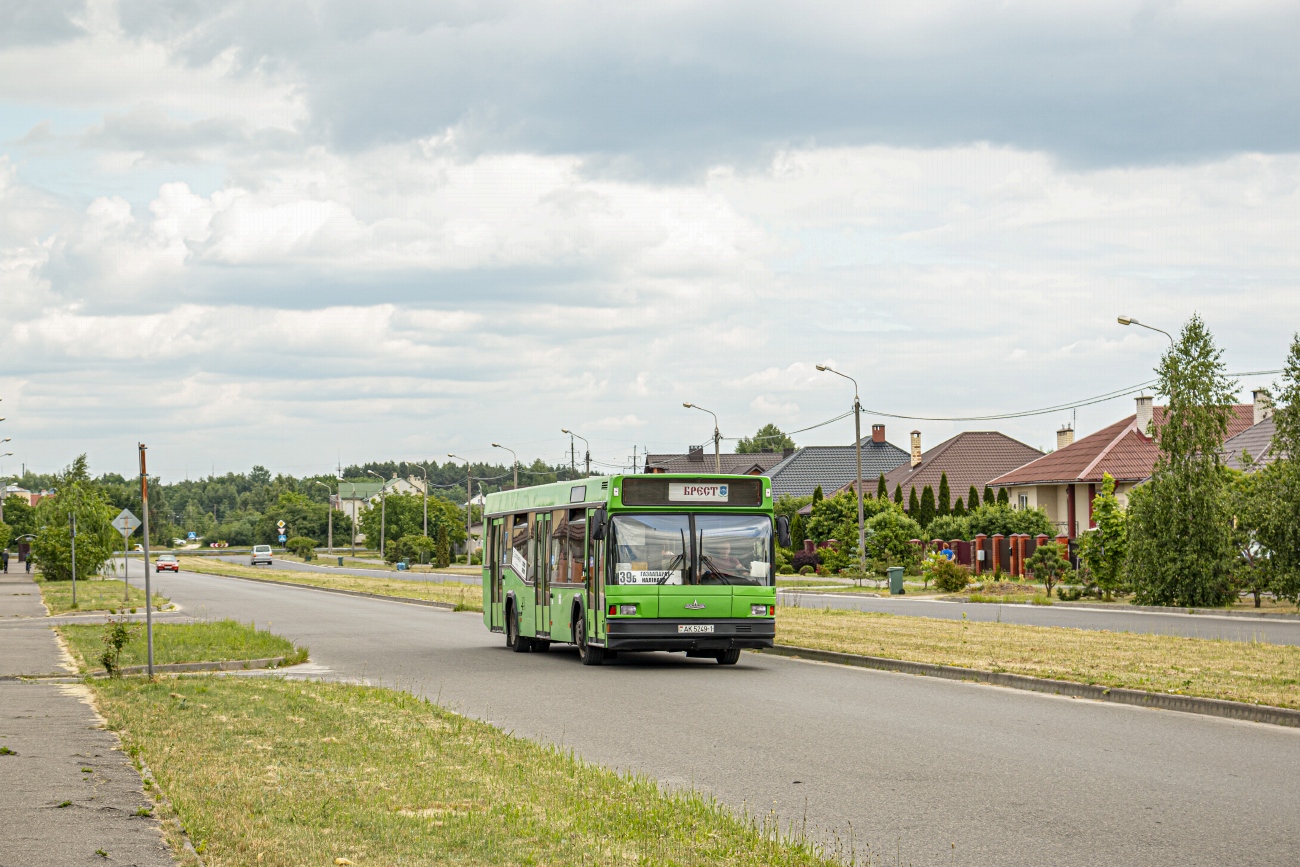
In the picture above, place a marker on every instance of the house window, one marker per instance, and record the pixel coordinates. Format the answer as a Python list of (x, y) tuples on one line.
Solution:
[(1024, 501)]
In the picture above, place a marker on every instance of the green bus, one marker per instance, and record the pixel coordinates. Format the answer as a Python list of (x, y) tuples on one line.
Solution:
[(634, 563)]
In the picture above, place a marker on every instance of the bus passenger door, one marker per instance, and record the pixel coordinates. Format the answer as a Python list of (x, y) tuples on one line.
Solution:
[(497, 545), (542, 571)]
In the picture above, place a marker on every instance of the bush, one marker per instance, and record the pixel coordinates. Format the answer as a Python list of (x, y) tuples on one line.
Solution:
[(1047, 564), (949, 527), (806, 560), (302, 547), (787, 569), (947, 575), (997, 519), (414, 548), (890, 535), (805, 570)]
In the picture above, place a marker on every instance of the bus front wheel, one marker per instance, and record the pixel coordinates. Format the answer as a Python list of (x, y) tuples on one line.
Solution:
[(589, 655)]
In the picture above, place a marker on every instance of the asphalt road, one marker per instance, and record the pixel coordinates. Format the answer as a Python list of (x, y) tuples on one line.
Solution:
[(940, 772), (1270, 630)]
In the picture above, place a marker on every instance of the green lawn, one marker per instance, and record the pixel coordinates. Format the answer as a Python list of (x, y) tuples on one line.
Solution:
[(275, 773), (95, 594), (184, 642)]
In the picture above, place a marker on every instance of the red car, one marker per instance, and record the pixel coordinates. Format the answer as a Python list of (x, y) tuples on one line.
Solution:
[(167, 563)]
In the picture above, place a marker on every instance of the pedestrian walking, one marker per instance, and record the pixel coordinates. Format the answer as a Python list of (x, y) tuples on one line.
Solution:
[(4, 559)]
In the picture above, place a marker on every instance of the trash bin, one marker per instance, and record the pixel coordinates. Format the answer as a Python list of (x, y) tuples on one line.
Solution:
[(340, 561), (895, 580), (401, 565)]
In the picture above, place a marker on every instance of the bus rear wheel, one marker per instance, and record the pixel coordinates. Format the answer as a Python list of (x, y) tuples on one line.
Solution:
[(514, 640), (728, 657)]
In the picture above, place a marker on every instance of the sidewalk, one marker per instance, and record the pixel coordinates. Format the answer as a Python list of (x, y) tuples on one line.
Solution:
[(68, 794)]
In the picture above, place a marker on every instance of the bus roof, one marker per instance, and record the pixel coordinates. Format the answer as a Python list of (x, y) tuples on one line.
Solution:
[(608, 490)]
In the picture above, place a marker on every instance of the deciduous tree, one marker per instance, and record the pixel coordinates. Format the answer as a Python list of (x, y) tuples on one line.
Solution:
[(1105, 549), (768, 438)]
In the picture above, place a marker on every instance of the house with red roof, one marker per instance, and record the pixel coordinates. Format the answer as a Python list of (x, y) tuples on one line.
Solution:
[(1066, 481)]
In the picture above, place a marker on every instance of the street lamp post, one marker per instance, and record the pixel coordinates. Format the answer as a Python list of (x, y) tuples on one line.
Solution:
[(584, 442), (857, 447), (148, 591), (426, 499), (717, 437), (516, 461), (383, 515), (469, 508), (330, 516)]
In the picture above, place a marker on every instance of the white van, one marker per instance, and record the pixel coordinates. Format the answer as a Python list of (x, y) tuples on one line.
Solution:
[(261, 554)]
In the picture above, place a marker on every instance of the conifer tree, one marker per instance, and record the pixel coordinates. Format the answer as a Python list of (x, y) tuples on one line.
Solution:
[(943, 504), (1004, 499), (817, 495), (972, 499), (988, 495), (959, 508), (927, 507), (913, 505), (797, 532), (882, 490), (898, 493)]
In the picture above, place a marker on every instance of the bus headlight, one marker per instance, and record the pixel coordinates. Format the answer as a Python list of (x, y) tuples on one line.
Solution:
[(762, 610)]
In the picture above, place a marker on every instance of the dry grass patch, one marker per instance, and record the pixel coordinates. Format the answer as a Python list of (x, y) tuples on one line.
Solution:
[(1234, 670), (96, 594), (466, 597), (272, 772)]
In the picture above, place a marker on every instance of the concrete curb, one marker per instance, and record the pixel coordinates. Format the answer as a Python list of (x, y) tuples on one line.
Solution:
[(446, 606), (1160, 609), (1161, 700), (175, 667)]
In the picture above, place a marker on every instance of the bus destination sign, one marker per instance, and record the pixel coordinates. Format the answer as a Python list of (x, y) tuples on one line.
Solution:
[(696, 492)]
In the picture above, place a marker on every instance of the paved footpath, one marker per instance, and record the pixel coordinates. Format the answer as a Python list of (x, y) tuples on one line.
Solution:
[(67, 792)]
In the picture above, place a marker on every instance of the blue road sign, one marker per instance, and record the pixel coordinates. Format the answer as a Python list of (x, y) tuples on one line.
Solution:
[(283, 538), (193, 536)]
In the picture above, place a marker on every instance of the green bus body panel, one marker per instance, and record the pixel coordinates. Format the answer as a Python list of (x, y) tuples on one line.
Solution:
[(554, 620)]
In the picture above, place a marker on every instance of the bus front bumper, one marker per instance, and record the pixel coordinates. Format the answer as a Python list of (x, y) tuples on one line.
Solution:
[(688, 635)]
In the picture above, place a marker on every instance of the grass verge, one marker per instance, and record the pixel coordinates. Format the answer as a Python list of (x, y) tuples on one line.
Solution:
[(273, 772), (184, 642), (1252, 672), (466, 597), (95, 594)]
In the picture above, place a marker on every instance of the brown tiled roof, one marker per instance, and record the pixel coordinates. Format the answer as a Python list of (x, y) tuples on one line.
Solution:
[(970, 458), (754, 464), (1118, 449), (1255, 441)]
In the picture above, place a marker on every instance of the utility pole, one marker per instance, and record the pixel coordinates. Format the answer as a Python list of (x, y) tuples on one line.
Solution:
[(717, 437), (148, 593), (469, 505), (329, 512), (383, 515), (72, 522), (857, 448)]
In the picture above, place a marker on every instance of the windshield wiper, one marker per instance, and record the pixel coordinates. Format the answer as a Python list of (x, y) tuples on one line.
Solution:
[(715, 571)]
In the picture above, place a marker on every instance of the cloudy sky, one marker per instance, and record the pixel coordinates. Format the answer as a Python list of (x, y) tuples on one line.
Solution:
[(298, 232)]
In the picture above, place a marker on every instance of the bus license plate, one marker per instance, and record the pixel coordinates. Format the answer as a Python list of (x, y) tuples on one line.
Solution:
[(695, 627)]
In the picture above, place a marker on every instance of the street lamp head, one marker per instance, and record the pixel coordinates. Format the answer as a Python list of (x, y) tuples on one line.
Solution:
[(688, 405), (497, 446), (565, 430), (823, 368), (1126, 320)]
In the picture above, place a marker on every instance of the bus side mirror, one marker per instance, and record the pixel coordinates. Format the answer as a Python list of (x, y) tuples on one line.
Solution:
[(783, 531), (598, 519)]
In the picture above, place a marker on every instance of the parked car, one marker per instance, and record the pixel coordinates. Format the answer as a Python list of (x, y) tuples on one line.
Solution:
[(166, 563), (261, 554)]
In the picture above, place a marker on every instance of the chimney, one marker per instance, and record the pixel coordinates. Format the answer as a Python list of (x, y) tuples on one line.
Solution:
[(786, 452), (916, 448), (1263, 405), (877, 433), (1064, 437), (695, 454), (1144, 414)]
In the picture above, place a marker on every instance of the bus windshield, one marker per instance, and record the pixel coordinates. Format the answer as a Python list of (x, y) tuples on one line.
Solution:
[(693, 549)]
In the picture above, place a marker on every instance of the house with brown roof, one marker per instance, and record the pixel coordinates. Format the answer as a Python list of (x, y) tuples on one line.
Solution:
[(696, 461), (1255, 442), (1066, 481), (969, 458)]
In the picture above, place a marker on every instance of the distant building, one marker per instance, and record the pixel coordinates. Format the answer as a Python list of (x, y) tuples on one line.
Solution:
[(833, 467), (1066, 481), (969, 458), (695, 460)]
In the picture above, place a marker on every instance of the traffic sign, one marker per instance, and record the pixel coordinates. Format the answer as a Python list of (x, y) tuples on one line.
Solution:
[(280, 524), (283, 538), (192, 535), (125, 522)]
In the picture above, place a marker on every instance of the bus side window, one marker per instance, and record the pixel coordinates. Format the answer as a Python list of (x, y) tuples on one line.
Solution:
[(521, 543)]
